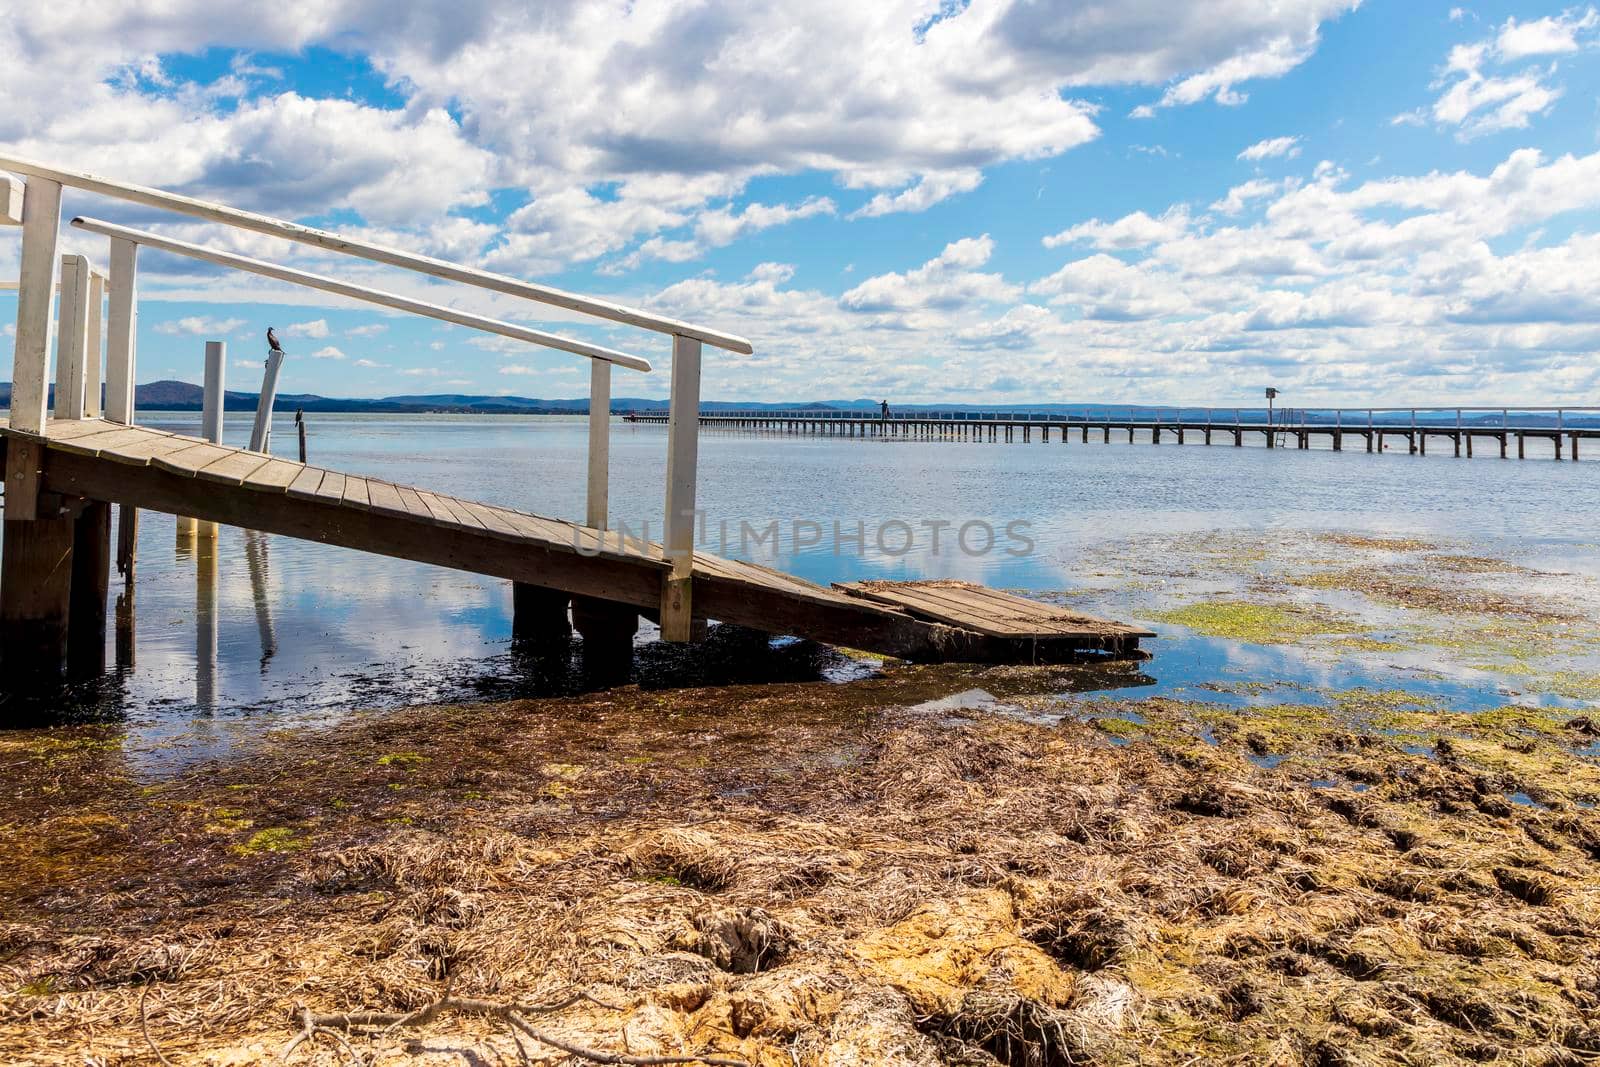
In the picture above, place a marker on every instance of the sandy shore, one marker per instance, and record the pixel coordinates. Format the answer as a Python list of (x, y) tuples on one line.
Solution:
[(892, 870)]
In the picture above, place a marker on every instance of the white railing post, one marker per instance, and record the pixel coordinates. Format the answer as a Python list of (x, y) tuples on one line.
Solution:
[(683, 430), (72, 342), (599, 444), (36, 291), (211, 405), (96, 345), (122, 331)]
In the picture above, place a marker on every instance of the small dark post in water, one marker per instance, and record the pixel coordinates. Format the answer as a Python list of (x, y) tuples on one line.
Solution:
[(127, 541), (300, 428), (607, 629)]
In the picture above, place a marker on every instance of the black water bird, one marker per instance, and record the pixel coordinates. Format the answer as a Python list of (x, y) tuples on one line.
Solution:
[(272, 340)]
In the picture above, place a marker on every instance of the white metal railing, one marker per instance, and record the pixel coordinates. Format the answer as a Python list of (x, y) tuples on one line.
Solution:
[(40, 218), (146, 239)]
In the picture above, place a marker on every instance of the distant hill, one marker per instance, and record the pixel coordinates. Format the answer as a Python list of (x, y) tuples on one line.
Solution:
[(183, 396)]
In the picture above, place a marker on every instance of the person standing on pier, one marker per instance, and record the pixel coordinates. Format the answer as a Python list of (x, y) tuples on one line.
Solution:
[(885, 407)]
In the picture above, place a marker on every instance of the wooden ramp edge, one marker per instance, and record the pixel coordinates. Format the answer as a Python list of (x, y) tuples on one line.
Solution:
[(996, 615), (928, 621)]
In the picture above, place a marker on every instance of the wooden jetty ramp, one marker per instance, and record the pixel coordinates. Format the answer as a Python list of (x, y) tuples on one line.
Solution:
[(63, 473), (608, 579)]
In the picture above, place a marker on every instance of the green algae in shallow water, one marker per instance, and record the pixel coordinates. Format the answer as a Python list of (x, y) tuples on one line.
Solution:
[(274, 839), (1262, 624)]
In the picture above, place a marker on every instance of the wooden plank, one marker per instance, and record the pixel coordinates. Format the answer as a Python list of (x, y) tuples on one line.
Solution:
[(537, 529), (274, 476), (492, 520), (355, 491), (71, 429), (988, 611), (332, 488), (437, 508), (190, 461), (305, 483), (414, 504), (993, 620), (140, 453), (385, 497), (234, 468), (458, 509), (94, 444)]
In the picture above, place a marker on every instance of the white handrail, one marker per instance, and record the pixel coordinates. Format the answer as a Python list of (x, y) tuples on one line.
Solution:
[(249, 220), (360, 292)]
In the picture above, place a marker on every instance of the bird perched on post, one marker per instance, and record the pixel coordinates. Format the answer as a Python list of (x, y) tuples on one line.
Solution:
[(272, 340)]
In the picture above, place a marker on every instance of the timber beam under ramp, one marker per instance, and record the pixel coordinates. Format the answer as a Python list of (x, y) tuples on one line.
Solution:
[(79, 465)]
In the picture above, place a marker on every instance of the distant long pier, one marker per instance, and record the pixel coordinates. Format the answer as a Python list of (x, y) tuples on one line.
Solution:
[(1557, 430)]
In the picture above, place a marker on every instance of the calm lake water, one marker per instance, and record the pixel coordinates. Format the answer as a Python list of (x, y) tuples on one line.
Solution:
[(305, 631)]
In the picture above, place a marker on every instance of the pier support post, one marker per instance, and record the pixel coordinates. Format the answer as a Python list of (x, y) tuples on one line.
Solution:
[(91, 584), (127, 542), (607, 629), (35, 592), (539, 616), (682, 458)]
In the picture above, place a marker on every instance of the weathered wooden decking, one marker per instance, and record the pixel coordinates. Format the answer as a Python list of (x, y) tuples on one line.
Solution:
[(93, 459)]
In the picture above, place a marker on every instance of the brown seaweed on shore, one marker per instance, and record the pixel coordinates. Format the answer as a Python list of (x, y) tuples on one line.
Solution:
[(809, 874)]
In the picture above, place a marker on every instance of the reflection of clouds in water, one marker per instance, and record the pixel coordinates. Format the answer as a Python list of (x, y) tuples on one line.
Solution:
[(333, 612)]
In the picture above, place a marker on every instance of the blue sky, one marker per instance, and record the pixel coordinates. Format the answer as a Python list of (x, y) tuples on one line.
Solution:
[(1364, 203)]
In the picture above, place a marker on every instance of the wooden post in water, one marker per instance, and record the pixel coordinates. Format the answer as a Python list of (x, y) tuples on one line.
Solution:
[(683, 428), (91, 585), (261, 432)]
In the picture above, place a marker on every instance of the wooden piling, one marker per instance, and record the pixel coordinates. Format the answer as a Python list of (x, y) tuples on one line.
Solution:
[(607, 629), (35, 595), (91, 585), (539, 616)]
